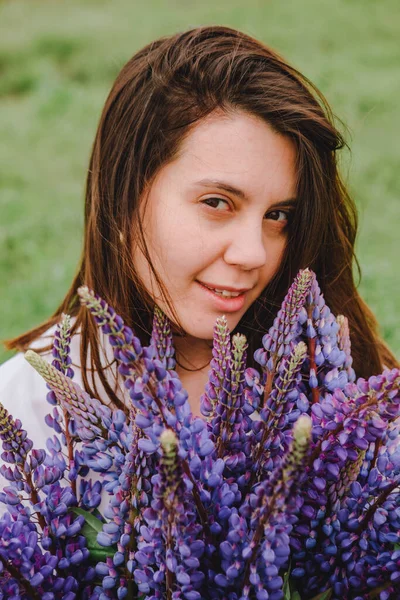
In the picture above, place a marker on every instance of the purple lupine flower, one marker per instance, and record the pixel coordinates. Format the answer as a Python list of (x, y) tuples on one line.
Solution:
[(358, 542), (344, 344), (228, 420), (162, 340), (328, 366), (328, 533), (219, 369), (270, 509), (26, 571), (15, 441), (62, 424), (85, 411), (279, 412), (26, 566), (18, 451), (129, 494), (169, 547), (156, 392), (126, 346), (286, 328), (61, 347)]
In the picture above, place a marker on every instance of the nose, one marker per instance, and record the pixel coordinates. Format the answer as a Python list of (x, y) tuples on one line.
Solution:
[(246, 248)]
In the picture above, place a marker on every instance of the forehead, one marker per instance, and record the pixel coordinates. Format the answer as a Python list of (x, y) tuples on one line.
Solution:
[(240, 148)]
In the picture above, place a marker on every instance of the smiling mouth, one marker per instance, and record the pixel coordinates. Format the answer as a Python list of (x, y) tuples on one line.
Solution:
[(225, 293), (229, 304)]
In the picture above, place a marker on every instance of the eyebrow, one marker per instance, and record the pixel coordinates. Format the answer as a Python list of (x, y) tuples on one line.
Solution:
[(222, 185)]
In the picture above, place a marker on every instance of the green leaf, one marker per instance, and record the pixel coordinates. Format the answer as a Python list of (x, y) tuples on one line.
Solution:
[(90, 518), (91, 528), (288, 587), (323, 596)]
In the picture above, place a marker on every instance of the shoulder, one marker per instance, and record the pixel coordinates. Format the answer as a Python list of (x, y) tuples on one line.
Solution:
[(17, 374)]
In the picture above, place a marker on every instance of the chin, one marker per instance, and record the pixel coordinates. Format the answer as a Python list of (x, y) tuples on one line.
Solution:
[(201, 331), (206, 334)]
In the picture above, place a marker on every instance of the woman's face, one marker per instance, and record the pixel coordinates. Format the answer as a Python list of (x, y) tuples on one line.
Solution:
[(218, 215)]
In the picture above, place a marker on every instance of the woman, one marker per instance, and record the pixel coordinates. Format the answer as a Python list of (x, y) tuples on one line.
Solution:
[(214, 166)]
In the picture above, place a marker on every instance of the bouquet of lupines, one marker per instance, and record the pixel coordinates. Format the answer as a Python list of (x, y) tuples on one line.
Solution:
[(286, 489)]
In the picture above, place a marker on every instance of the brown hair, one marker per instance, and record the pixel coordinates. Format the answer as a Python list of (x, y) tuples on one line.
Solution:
[(156, 100)]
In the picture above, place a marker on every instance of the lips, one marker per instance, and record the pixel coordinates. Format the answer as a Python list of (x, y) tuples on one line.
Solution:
[(225, 304)]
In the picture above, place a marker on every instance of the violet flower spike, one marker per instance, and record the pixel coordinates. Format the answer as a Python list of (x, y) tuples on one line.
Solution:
[(229, 418), (62, 362), (162, 340), (344, 344), (279, 404), (86, 412), (327, 360), (219, 369), (17, 451), (61, 349), (274, 502), (169, 548), (127, 347), (286, 328)]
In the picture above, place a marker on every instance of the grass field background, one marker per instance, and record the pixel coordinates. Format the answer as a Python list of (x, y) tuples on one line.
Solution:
[(57, 63)]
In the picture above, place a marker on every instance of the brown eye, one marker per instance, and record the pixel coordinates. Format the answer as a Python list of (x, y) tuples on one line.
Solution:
[(278, 215), (213, 201)]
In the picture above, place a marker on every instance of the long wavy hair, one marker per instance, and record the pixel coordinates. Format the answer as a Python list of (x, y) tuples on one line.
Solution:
[(163, 91)]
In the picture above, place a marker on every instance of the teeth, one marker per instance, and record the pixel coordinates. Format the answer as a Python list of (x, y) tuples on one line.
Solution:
[(228, 294), (225, 293)]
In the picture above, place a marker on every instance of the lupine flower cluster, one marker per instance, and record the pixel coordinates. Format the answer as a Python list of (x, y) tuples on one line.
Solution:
[(286, 489)]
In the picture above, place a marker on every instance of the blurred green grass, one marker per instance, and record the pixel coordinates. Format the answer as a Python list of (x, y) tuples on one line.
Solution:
[(57, 63)]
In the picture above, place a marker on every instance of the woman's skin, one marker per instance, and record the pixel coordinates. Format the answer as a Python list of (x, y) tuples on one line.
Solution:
[(200, 232)]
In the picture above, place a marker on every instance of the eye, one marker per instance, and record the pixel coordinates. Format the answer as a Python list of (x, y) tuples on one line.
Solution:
[(212, 202), (279, 215)]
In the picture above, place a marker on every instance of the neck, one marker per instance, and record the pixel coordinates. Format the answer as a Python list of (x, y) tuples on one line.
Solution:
[(192, 354)]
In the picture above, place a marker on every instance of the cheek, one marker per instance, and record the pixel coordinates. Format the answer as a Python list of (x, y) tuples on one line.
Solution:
[(176, 253), (168, 228), (275, 255), (181, 242)]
